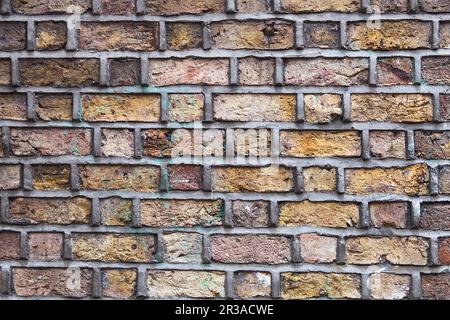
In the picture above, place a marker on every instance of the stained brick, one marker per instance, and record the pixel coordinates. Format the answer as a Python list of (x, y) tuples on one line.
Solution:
[(51, 35), (36, 7), (13, 106), (13, 36)]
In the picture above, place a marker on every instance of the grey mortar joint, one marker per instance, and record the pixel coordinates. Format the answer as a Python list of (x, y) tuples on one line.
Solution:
[(365, 286), (276, 284), (433, 250), (410, 145), (138, 143), (140, 7), (207, 185), (417, 70), (31, 106), (231, 6), (164, 185), (437, 107), (206, 249), (416, 286), (4, 209), (414, 5), (229, 145), (299, 184), (164, 116), (365, 6), (5, 282), (97, 287), (208, 113), (76, 106), (295, 249), (162, 36), (96, 7), (31, 35), (6, 7), (207, 35), (415, 214), (340, 251), (233, 76), (434, 181), (97, 143), (67, 250), (159, 254), (299, 36), (436, 36), (96, 218), (104, 71), (365, 142), (72, 35), (15, 71), (141, 291), (340, 180), (277, 7), (343, 34), (347, 107), (300, 108), (27, 177), (229, 285), (373, 76), (5, 141), (279, 71), (24, 252), (136, 218), (274, 213), (145, 81), (228, 214), (364, 215), (74, 177)]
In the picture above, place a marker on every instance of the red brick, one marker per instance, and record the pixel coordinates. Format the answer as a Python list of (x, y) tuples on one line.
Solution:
[(174, 7), (395, 71), (444, 251), (251, 214), (389, 214), (10, 248), (45, 246), (117, 7), (436, 70), (185, 177), (436, 286), (432, 144), (435, 215)]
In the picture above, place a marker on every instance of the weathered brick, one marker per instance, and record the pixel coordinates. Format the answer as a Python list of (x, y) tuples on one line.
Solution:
[(252, 142), (387, 144), (388, 286), (395, 71), (412, 180), (164, 72), (321, 35), (444, 179), (51, 35), (181, 213), (249, 285), (322, 108), (251, 214), (185, 177), (435, 215), (63, 211), (254, 107), (54, 107), (298, 6), (184, 35), (389, 6), (444, 35), (432, 144), (319, 179), (324, 214), (255, 71), (10, 176), (124, 72), (435, 5), (13, 106), (51, 177), (116, 211), (183, 247), (117, 7), (137, 178), (119, 35), (186, 107), (253, 34), (445, 107), (252, 179), (391, 107), (50, 142), (121, 107), (59, 72), (186, 284), (52, 282), (252, 6), (315, 248), (436, 286), (108, 247), (444, 251), (266, 249), (119, 283), (13, 36), (391, 35), (5, 72), (389, 214), (45, 246), (436, 70), (117, 143), (10, 248), (2, 151), (317, 284), (50, 6), (395, 250), (174, 7), (326, 71)]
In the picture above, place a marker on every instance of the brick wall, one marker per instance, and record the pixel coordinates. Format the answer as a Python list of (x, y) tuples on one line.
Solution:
[(289, 149)]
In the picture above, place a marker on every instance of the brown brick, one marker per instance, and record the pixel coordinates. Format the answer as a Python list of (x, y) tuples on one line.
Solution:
[(117, 143), (13, 36), (395, 71), (10, 176), (137, 178), (51, 35), (444, 180), (184, 35), (391, 35), (252, 6), (436, 286), (395, 250), (119, 36), (181, 213), (164, 72), (435, 215), (388, 144), (432, 144), (319, 179), (321, 35), (445, 106), (186, 107), (5, 72), (117, 7), (444, 35), (124, 72), (54, 107), (13, 106), (444, 251), (50, 142), (248, 285), (339, 71), (298, 6), (183, 247), (322, 108), (108, 247), (317, 284), (255, 71), (63, 211), (186, 284), (175, 7), (51, 177), (50, 6), (45, 246), (391, 107), (250, 249), (121, 107), (388, 286), (435, 5), (253, 34), (252, 179), (389, 214), (242, 107), (315, 248), (251, 214), (322, 214), (2, 151), (52, 282), (389, 6), (59, 72), (10, 248), (116, 211), (436, 70), (185, 177), (119, 283), (252, 142)]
